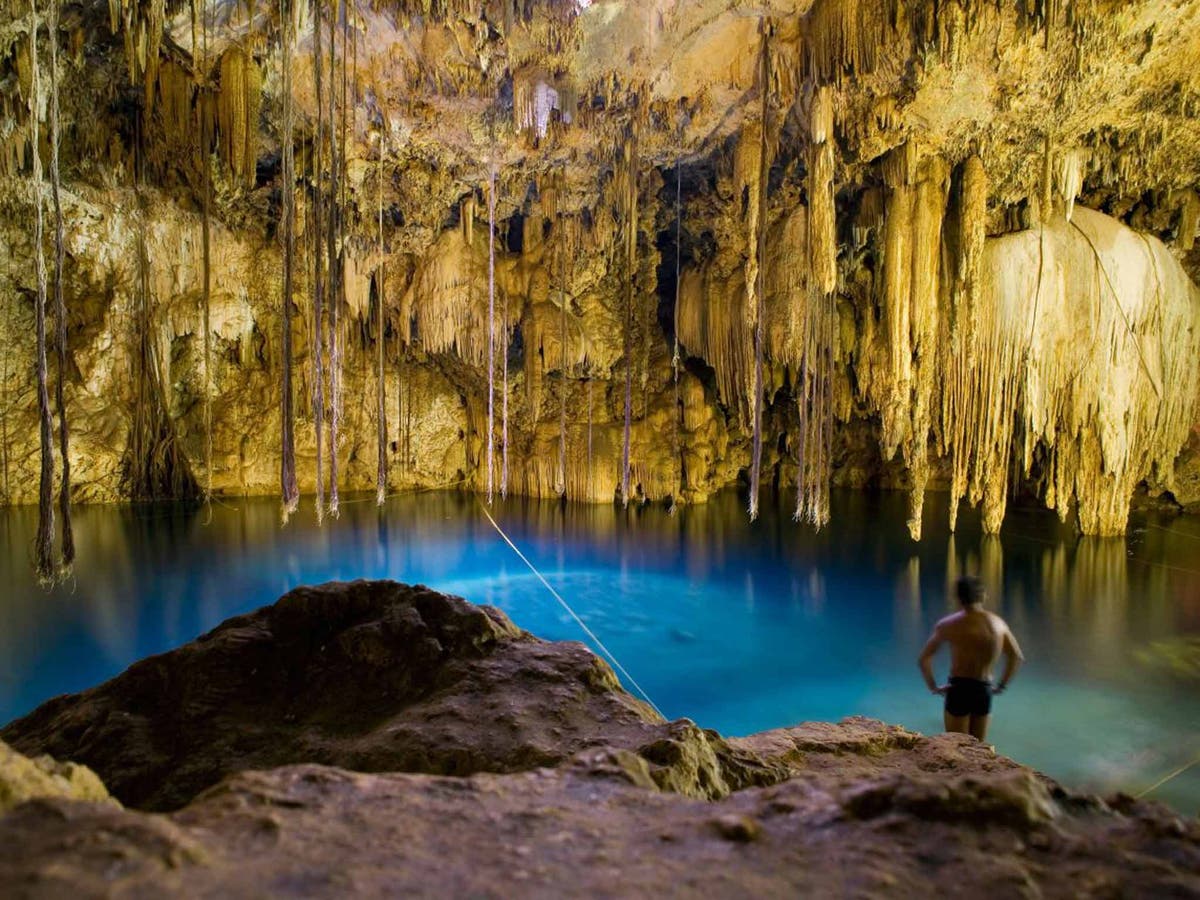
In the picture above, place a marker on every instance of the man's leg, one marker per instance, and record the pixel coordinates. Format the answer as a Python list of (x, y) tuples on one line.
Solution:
[(979, 726), (961, 724)]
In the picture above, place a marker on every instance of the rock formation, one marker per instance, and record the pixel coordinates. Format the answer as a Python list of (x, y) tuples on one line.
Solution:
[(371, 676), (562, 783), (966, 233), (23, 779)]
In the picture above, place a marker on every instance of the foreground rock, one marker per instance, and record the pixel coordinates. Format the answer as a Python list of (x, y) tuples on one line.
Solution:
[(598, 827), (575, 787), (370, 676), (23, 779)]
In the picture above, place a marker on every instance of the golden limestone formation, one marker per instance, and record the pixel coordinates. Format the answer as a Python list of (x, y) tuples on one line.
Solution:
[(814, 321), (900, 386), (966, 230), (961, 327), (1087, 347), (238, 103)]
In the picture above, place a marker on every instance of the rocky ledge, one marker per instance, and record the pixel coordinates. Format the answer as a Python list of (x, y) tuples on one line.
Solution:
[(372, 738)]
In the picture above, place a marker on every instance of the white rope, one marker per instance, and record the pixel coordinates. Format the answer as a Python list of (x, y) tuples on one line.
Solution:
[(617, 665), (1169, 777)]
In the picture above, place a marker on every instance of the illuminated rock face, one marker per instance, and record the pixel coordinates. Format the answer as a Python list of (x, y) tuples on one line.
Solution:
[(977, 249), (23, 779)]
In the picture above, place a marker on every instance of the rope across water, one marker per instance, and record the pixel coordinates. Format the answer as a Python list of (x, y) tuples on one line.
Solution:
[(591, 634)]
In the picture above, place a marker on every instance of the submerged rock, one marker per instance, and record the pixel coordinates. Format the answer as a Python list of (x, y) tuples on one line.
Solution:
[(547, 780)]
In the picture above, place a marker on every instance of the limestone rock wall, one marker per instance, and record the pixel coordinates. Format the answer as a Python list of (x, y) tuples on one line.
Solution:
[(978, 249)]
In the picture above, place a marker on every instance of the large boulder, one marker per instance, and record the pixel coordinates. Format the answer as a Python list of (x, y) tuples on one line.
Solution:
[(370, 676)]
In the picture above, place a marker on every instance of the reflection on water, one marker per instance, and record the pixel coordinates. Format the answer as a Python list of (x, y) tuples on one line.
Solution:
[(740, 626)]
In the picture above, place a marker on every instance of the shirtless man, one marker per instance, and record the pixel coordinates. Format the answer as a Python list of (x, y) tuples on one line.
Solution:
[(976, 638)]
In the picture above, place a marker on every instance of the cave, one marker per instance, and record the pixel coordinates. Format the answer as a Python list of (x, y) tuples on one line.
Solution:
[(541, 435)]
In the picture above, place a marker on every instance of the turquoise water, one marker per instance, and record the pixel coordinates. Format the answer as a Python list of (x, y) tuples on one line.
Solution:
[(739, 626)]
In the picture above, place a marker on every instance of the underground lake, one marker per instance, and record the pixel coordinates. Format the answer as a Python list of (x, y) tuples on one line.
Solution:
[(739, 626)]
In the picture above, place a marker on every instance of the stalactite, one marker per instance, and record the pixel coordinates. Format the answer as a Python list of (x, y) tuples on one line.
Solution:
[(562, 346), (5, 351), (1069, 176), (676, 407), (207, 286), (928, 212), (958, 406), (534, 328), (815, 374), (816, 408), (590, 468), (536, 97), (60, 306), (141, 24), (504, 405), (491, 330), (333, 232), (631, 230), (239, 101), (717, 333), (897, 296), (822, 233), (903, 392), (439, 299), (44, 545), (756, 264), (287, 471), (1189, 220), (318, 282), (408, 419), (381, 299)]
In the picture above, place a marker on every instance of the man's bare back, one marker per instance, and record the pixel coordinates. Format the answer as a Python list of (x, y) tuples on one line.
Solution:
[(977, 639)]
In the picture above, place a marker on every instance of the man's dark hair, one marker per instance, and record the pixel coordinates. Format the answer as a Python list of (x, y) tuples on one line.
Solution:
[(970, 590)]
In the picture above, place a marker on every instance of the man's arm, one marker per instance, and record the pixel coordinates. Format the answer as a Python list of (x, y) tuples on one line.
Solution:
[(1013, 657), (925, 661)]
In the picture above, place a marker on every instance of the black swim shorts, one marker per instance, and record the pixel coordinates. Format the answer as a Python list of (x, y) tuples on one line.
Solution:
[(969, 697)]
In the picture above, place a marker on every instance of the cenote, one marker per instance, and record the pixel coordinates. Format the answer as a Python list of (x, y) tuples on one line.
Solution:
[(739, 626)]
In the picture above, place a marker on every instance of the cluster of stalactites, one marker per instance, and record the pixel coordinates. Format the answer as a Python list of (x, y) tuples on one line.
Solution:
[(1066, 351), (446, 303), (900, 387), (174, 98), (539, 101), (595, 449), (1086, 364), (140, 23), (845, 38), (231, 114)]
